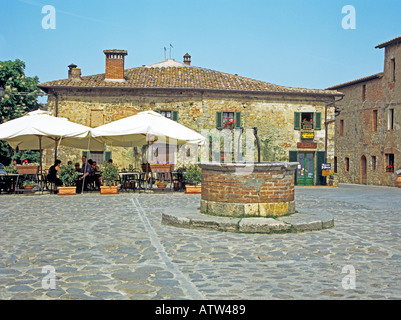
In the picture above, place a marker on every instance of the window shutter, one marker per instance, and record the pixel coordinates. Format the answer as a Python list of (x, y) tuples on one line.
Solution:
[(293, 157), (237, 120), (174, 115), (320, 159), (86, 154), (157, 110), (219, 120), (297, 120), (107, 156), (318, 120)]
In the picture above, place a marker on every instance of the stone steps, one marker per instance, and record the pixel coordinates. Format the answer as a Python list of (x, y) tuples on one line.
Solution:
[(298, 222)]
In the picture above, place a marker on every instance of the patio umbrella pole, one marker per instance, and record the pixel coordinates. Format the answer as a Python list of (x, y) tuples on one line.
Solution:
[(147, 169), (40, 154), (86, 165)]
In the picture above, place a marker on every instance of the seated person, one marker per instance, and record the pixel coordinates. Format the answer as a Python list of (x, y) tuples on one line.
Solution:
[(86, 177), (77, 167), (52, 175)]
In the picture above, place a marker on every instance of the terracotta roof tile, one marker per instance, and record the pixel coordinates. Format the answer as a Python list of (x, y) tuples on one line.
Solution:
[(182, 77)]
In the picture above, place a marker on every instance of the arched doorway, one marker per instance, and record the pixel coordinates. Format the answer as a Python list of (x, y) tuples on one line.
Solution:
[(364, 170)]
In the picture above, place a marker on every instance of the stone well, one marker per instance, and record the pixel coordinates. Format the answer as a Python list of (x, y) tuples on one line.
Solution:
[(263, 189)]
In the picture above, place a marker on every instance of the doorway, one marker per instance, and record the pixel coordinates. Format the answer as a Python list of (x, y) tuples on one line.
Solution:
[(306, 169), (364, 170)]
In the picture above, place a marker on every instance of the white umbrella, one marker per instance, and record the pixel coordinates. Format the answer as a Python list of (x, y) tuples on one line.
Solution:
[(144, 128), (39, 130), (132, 131)]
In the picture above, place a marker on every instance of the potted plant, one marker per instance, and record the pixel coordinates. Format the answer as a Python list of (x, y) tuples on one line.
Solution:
[(11, 169), (193, 177), (307, 124), (28, 168), (110, 178), (29, 184), (161, 184), (390, 168), (228, 123), (68, 175)]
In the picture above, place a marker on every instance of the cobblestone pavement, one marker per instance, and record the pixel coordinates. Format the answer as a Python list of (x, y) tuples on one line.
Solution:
[(115, 247)]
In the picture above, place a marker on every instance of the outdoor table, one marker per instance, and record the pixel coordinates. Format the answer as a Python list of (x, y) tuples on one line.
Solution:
[(11, 181), (163, 171), (127, 178)]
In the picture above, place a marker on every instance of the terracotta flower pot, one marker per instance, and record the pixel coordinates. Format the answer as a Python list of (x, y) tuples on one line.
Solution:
[(109, 190), (28, 169), (193, 189), (67, 191), (161, 186)]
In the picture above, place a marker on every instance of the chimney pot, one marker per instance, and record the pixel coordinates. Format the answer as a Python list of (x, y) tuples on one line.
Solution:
[(115, 64), (187, 59), (74, 73)]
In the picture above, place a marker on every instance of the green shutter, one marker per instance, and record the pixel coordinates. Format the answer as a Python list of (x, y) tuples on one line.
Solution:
[(219, 120), (318, 120), (174, 115), (320, 159), (297, 120), (293, 157), (237, 120), (107, 156), (157, 110), (86, 154)]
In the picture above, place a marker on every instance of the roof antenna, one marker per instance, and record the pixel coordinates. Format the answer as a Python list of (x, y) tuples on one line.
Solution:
[(165, 54), (171, 46)]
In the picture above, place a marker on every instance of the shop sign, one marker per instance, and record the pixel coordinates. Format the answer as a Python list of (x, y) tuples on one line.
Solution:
[(308, 135), (307, 145), (326, 166)]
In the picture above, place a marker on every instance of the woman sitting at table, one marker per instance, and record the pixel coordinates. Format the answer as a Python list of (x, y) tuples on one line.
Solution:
[(52, 175)]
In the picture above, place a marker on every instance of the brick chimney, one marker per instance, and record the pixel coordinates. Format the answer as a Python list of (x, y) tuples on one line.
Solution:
[(74, 73), (187, 59), (115, 64)]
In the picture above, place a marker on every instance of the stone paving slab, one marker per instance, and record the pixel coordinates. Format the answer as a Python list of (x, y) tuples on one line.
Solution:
[(116, 248), (192, 218)]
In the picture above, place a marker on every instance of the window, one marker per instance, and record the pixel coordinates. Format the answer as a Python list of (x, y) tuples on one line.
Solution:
[(389, 162), (99, 156), (390, 120), (393, 69), (373, 163), (307, 120), (346, 164), (341, 129), (374, 120), (172, 115), (228, 119), (166, 114), (364, 92)]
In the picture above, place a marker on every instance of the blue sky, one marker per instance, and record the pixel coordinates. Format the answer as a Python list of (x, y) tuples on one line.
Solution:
[(298, 43)]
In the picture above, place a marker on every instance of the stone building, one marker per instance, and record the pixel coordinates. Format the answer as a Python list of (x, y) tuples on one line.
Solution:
[(368, 144), (291, 122)]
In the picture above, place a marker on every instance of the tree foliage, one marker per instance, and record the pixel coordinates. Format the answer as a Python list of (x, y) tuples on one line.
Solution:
[(20, 97)]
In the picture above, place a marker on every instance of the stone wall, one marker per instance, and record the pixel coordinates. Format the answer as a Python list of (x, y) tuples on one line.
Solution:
[(364, 136), (272, 114)]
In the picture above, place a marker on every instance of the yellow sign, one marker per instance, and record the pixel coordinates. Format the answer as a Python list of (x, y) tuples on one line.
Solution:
[(308, 135), (325, 173)]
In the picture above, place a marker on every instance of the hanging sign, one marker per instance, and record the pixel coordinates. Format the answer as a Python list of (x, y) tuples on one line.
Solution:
[(326, 166), (308, 135)]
